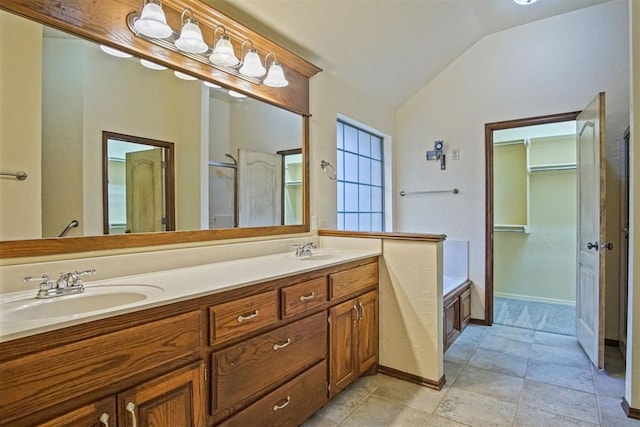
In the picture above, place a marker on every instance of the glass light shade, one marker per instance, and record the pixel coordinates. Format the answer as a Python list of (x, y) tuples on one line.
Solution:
[(524, 2), (252, 66), (191, 38), (212, 85), (183, 76), (153, 22), (275, 76), (223, 53), (237, 94), (152, 65), (114, 52)]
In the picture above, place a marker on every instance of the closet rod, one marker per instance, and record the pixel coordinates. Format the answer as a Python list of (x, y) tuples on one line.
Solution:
[(407, 193)]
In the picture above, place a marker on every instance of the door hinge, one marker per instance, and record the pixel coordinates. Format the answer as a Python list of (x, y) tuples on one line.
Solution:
[(329, 388), (205, 373), (164, 221), (163, 165)]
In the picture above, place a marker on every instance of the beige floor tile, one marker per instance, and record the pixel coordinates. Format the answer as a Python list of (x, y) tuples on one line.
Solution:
[(565, 376), (437, 421), (531, 417), (476, 410), (345, 402), (416, 396), (556, 340), (560, 400), (377, 411), (460, 351), (499, 362), (506, 345), (451, 371), (608, 384), (613, 415), (518, 334), (489, 383), (317, 421), (560, 356)]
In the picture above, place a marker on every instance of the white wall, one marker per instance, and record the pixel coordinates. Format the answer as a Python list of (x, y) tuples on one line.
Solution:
[(551, 66), (330, 97)]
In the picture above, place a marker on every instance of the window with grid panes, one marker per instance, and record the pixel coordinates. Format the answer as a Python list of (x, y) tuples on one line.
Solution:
[(360, 180)]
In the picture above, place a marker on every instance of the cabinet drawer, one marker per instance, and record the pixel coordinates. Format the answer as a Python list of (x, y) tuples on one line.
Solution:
[(234, 318), (37, 381), (353, 280), (303, 296), (289, 405), (253, 366)]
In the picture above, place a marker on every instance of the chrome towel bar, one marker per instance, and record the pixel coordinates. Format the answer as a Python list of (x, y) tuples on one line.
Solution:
[(20, 175), (407, 193)]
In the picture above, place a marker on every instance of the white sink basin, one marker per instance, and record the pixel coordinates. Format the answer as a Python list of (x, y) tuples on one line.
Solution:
[(94, 298)]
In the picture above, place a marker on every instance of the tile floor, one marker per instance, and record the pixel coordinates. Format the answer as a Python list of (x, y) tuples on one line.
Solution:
[(497, 376)]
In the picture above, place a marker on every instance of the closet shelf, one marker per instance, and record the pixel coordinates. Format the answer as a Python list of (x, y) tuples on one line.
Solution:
[(552, 167), (511, 228)]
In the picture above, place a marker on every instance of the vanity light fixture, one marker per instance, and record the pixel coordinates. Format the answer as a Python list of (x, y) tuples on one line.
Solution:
[(190, 39), (152, 65), (275, 76), (223, 53), (212, 85), (184, 76), (114, 52), (237, 94), (251, 65), (152, 21), (524, 2)]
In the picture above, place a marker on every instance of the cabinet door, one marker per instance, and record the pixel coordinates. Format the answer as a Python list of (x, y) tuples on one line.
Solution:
[(367, 331), (451, 321), (98, 414), (342, 345), (175, 400)]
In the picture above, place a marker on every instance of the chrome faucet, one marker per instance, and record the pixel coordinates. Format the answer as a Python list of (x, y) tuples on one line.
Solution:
[(67, 284), (304, 250)]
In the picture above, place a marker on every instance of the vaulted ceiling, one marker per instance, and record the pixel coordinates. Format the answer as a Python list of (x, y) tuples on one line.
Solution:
[(387, 48)]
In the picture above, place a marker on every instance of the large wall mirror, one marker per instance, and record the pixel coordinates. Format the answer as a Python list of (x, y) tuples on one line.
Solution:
[(237, 164)]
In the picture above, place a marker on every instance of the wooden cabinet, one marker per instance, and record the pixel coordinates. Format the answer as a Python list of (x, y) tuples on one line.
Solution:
[(271, 352), (353, 339), (173, 400), (457, 312)]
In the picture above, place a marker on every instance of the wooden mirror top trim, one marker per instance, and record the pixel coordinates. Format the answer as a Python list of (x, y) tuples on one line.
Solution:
[(104, 22)]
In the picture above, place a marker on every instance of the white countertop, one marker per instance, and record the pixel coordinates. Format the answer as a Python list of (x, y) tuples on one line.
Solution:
[(170, 286)]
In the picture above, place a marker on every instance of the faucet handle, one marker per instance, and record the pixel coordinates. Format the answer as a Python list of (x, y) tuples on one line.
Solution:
[(80, 273), (43, 279)]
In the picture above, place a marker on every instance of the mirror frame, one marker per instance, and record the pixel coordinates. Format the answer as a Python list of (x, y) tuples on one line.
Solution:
[(104, 22)]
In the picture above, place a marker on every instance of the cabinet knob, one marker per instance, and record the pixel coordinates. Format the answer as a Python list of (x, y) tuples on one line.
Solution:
[(104, 419), (277, 407), (131, 408)]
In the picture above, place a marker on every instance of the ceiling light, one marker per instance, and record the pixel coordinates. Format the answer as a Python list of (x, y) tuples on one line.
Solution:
[(237, 94), (275, 76), (152, 21), (524, 2), (184, 76), (114, 52), (223, 53), (190, 40), (212, 85), (152, 65)]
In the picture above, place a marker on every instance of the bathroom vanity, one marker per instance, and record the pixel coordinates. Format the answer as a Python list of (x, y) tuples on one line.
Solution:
[(276, 351)]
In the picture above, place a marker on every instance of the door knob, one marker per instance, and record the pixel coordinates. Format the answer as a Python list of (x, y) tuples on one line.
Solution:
[(593, 245), (606, 246)]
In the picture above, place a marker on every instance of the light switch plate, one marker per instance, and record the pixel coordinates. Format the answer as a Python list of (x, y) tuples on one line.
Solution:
[(455, 154)]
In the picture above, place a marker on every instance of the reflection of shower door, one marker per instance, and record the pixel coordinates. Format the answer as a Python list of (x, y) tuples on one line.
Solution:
[(222, 197), (145, 191), (259, 189)]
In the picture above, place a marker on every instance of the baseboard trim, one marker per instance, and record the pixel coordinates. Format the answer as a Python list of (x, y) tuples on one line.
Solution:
[(415, 379), (482, 322), (631, 412), (611, 343)]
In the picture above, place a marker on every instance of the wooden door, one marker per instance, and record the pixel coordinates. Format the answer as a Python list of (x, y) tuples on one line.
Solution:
[(342, 345), (175, 400), (98, 414), (591, 229), (259, 189), (145, 190), (367, 331)]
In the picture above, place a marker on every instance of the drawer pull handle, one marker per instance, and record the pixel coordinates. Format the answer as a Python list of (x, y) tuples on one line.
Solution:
[(355, 308), (131, 408), (283, 345), (277, 407), (104, 419), (304, 298), (361, 309), (242, 318)]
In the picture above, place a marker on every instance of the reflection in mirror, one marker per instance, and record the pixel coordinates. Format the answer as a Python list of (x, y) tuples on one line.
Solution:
[(69, 91), (137, 180)]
